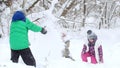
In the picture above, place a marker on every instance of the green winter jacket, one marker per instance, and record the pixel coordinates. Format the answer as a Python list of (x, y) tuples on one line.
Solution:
[(19, 33)]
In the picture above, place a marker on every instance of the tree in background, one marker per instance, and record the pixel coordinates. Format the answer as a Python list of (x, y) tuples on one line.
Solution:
[(72, 14)]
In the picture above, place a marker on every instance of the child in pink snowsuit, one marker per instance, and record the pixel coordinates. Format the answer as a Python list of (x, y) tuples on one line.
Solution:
[(92, 49)]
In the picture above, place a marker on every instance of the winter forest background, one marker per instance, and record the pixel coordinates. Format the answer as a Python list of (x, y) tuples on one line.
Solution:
[(70, 14), (74, 17)]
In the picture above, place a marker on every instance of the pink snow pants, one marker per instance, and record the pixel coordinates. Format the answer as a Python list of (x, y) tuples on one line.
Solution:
[(85, 55)]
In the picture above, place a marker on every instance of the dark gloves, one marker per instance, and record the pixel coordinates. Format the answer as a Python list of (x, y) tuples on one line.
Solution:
[(43, 31)]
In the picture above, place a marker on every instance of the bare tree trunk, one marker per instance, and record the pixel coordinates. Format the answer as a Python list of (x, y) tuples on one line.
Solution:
[(1, 25), (112, 9), (2, 29), (8, 2), (43, 3), (84, 13), (60, 11), (99, 25), (105, 15), (32, 5), (101, 15), (68, 8), (23, 5)]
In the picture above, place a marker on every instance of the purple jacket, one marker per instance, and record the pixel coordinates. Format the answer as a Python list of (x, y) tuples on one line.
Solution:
[(92, 51)]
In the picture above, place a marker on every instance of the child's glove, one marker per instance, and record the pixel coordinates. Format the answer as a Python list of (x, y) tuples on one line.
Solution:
[(43, 31)]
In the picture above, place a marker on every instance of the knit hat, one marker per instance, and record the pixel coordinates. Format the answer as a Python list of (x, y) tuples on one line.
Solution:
[(91, 35), (18, 15)]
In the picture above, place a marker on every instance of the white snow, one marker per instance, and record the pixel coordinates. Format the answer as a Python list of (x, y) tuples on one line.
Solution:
[(47, 48)]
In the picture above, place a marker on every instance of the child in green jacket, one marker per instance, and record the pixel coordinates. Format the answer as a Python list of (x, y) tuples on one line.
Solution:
[(19, 42)]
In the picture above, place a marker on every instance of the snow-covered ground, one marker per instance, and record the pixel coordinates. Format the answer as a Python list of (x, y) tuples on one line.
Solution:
[(47, 50)]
